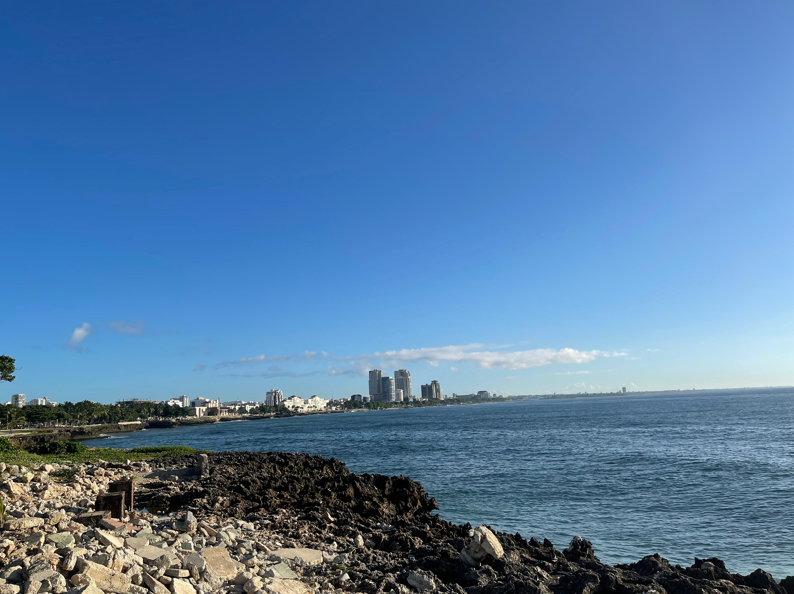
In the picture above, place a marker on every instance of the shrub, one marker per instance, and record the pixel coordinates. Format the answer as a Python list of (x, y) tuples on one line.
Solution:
[(58, 448), (6, 447)]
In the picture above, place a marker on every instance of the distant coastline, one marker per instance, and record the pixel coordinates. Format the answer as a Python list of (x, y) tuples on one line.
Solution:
[(26, 438), (697, 391)]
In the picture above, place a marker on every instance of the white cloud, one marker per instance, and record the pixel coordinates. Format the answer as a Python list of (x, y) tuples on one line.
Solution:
[(493, 359), (121, 327), (256, 359), (477, 354), (583, 372), (78, 335)]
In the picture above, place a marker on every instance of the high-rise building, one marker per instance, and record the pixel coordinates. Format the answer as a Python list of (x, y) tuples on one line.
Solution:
[(432, 391), (18, 400), (624, 389), (387, 392), (402, 381), (375, 384), (274, 398), (185, 402), (398, 395)]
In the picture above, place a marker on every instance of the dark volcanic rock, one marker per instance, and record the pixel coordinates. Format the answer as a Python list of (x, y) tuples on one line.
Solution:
[(246, 482), (389, 541)]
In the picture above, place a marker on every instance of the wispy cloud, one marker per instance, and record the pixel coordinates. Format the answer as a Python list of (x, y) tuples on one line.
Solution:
[(136, 328), (477, 354), (77, 337), (256, 359), (582, 372), (493, 359), (200, 367)]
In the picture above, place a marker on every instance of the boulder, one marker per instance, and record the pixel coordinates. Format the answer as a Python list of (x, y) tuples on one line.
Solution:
[(307, 556), (223, 565), (149, 553), (194, 561), (136, 542), (280, 570), (483, 544), (279, 586), (15, 490), (182, 587), (18, 524), (154, 586), (105, 578), (61, 540), (188, 525), (108, 539), (420, 581)]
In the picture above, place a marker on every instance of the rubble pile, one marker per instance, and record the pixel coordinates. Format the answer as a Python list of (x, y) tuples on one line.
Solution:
[(274, 523)]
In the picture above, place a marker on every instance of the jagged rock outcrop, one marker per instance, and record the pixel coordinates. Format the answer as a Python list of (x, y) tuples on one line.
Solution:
[(274, 523)]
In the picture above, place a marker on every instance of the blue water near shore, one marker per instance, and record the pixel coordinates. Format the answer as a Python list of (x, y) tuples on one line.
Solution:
[(684, 476)]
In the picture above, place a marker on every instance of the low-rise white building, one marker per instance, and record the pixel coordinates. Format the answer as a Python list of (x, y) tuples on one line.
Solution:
[(294, 403), (315, 404), (41, 402), (299, 405), (204, 402)]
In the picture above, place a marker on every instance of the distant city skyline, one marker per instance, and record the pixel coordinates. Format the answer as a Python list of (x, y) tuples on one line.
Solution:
[(520, 197)]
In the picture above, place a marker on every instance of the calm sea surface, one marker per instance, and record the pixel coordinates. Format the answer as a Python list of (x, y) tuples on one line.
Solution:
[(705, 475)]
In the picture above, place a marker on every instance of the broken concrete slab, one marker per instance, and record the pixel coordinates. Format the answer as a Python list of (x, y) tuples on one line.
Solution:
[(306, 556)]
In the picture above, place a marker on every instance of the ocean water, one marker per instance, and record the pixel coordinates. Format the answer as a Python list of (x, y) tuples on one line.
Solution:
[(687, 475)]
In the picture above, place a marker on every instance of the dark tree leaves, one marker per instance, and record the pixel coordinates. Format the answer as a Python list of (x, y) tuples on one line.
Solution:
[(7, 367)]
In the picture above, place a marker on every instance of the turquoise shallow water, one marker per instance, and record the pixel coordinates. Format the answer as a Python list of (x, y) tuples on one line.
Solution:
[(706, 475)]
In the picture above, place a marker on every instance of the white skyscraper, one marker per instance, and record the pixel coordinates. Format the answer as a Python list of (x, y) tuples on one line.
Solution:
[(398, 395), (274, 398), (18, 400), (402, 381)]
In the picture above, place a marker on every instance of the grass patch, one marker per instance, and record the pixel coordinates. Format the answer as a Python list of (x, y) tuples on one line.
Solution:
[(63, 475), (65, 452)]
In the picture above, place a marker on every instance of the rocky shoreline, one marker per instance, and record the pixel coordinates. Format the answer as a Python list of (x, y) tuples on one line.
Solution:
[(282, 523), (25, 439)]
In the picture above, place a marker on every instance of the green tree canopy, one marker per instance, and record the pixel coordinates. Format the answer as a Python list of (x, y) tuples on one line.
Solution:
[(7, 367)]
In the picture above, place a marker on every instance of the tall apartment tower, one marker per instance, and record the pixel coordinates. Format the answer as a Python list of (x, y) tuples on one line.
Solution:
[(274, 398), (184, 400), (387, 393), (402, 381), (18, 400), (398, 395), (437, 393), (375, 384), (427, 392)]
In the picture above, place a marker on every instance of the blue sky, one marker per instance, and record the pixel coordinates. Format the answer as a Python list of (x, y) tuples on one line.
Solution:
[(217, 199)]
